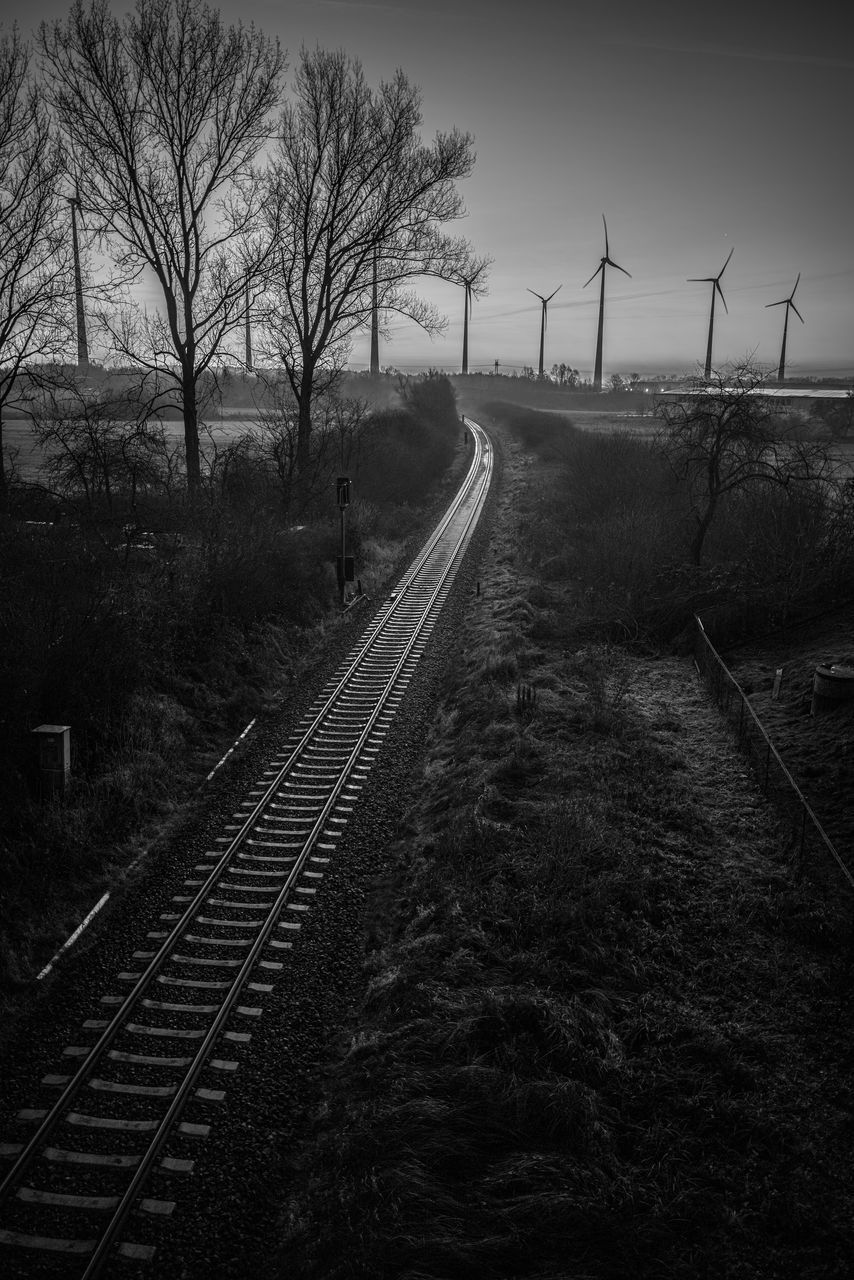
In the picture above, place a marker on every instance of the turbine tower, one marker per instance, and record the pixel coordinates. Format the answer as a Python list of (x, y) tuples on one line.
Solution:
[(609, 262), (248, 329), (786, 302), (543, 320), (82, 344), (375, 322), (715, 282), (467, 285)]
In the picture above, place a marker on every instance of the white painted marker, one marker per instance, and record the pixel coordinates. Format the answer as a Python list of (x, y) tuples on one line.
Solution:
[(230, 749), (75, 935)]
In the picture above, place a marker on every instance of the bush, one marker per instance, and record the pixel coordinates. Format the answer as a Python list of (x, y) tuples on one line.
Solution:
[(615, 526), (408, 448)]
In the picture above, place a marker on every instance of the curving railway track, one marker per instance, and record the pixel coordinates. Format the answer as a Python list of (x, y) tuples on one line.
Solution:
[(85, 1167)]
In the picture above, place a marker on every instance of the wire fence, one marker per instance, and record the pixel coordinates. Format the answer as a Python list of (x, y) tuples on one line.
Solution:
[(813, 852)]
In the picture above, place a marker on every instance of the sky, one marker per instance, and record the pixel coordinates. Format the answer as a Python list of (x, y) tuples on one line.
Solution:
[(694, 129)]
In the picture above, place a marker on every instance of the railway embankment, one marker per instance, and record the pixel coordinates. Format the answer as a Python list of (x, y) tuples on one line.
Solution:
[(157, 641), (603, 1032), (222, 1210)]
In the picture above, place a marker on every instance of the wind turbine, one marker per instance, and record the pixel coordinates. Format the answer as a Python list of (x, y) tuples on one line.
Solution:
[(543, 321), (605, 261), (82, 345), (786, 302), (715, 282)]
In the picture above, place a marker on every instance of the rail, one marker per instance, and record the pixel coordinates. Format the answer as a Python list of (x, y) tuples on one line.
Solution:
[(277, 849)]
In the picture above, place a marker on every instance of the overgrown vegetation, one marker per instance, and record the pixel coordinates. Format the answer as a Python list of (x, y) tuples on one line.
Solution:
[(154, 626), (598, 1036), (620, 522)]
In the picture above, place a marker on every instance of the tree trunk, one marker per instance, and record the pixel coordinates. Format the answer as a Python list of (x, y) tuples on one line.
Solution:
[(4, 487), (191, 432), (703, 525), (304, 429)]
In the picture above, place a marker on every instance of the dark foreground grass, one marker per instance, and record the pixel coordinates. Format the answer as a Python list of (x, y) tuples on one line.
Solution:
[(600, 1036)]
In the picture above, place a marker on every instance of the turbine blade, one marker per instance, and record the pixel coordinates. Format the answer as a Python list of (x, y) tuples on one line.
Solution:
[(619, 268), (700, 279), (796, 311), (551, 295), (723, 299), (601, 267), (606, 234), (726, 264), (792, 294), (782, 303)]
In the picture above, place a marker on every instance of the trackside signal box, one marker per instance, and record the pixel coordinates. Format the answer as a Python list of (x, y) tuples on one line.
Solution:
[(54, 747), (342, 486)]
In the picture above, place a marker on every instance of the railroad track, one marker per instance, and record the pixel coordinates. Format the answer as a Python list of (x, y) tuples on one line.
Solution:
[(148, 1074)]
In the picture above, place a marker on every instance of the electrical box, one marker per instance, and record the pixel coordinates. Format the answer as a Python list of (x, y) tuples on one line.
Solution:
[(54, 748), (342, 488)]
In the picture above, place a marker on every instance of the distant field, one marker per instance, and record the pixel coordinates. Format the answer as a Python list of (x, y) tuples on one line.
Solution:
[(18, 436), (602, 420), (19, 440)]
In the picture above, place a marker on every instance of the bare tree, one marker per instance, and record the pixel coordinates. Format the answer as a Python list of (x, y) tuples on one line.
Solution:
[(355, 195), (724, 434), (341, 426), (166, 110), (35, 278), (100, 448)]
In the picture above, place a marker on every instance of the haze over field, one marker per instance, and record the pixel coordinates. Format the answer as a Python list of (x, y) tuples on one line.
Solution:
[(694, 131)]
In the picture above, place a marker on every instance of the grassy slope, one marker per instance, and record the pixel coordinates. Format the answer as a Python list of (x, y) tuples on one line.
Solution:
[(600, 1036), (59, 858)]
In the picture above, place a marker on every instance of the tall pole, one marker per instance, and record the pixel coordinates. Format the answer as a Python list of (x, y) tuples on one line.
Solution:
[(781, 372), (465, 367), (597, 368), (342, 492), (82, 345), (248, 331), (542, 337), (707, 373), (375, 324)]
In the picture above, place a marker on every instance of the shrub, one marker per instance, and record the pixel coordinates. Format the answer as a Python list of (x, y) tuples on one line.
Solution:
[(615, 524)]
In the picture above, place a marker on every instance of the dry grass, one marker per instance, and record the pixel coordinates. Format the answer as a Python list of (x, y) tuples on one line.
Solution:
[(598, 1039)]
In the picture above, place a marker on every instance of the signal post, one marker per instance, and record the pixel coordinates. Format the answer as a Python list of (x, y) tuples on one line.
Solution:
[(345, 566)]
